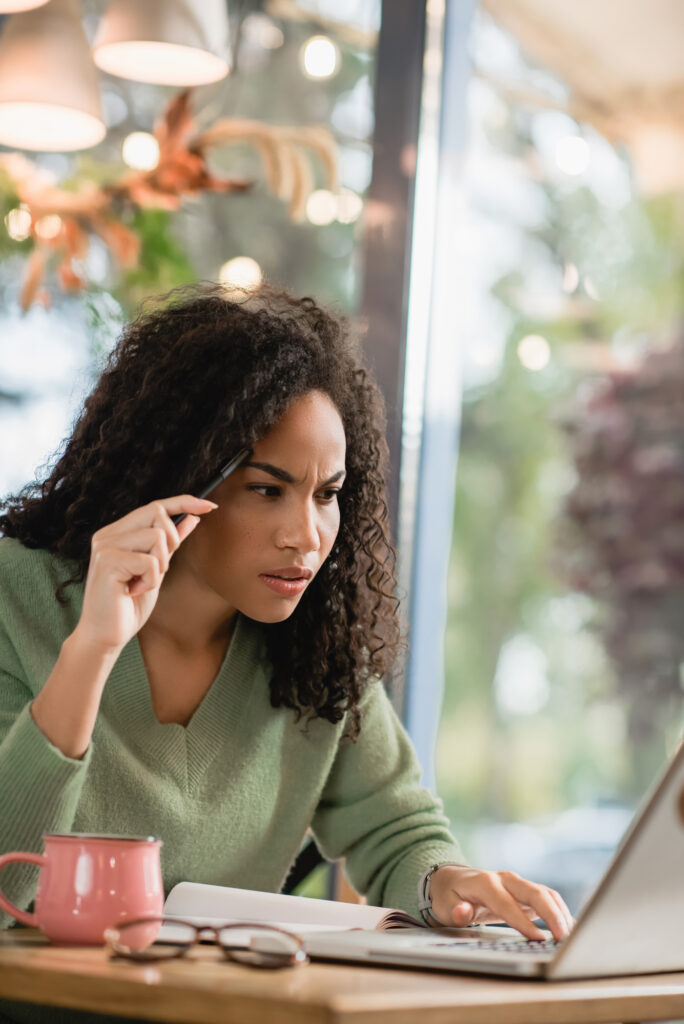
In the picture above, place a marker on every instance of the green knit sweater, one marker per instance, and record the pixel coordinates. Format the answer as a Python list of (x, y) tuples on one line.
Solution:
[(232, 793)]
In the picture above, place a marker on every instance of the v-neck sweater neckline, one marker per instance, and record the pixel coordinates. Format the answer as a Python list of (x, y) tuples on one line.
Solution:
[(185, 749)]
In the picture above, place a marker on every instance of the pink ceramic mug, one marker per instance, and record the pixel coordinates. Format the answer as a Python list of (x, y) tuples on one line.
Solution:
[(89, 882)]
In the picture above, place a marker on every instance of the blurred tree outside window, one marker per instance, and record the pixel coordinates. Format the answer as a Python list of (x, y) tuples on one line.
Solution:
[(545, 746)]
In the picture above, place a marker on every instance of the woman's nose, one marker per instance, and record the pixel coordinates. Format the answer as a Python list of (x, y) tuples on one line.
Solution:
[(300, 530)]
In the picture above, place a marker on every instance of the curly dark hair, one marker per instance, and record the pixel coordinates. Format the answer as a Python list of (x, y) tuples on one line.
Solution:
[(192, 380)]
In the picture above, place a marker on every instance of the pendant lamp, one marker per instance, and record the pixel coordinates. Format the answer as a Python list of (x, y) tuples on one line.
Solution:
[(49, 96), (10, 6), (168, 42)]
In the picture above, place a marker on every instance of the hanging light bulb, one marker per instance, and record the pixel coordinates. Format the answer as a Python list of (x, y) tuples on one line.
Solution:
[(49, 98), (12, 6), (167, 42)]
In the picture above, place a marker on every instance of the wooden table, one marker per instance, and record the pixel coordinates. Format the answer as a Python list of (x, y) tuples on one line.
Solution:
[(212, 991)]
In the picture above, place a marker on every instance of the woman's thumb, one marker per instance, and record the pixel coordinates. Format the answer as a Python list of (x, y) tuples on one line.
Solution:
[(463, 914)]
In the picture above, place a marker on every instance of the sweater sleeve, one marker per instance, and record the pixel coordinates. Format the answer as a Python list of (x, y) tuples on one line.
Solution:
[(374, 813), (39, 790)]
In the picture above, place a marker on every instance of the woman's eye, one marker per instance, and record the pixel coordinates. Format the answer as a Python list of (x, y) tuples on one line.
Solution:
[(266, 490), (330, 494)]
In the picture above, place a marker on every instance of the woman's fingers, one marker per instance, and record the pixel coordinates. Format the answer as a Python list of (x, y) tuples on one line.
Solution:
[(150, 529), (163, 510), (137, 572), (464, 896), (109, 553), (564, 909), (499, 899), (464, 914), (129, 559), (185, 528), (478, 897), (158, 513), (547, 903), (151, 540), (158, 549)]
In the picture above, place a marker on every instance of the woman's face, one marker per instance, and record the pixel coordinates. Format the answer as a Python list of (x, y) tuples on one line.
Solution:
[(277, 516)]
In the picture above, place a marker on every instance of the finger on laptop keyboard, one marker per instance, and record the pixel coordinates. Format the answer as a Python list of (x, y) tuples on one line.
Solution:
[(487, 893), (565, 910), (540, 899), (495, 896), (504, 903)]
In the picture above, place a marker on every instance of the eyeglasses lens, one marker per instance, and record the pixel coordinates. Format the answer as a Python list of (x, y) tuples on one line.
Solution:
[(137, 939), (261, 947)]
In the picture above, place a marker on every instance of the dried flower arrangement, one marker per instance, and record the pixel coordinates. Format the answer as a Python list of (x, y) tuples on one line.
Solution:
[(182, 171)]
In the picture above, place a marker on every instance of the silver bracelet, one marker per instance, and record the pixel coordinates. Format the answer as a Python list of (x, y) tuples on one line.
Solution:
[(424, 897)]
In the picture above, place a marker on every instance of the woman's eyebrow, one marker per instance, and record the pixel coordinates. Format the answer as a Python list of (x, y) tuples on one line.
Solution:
[(279, 474), (334, 478), (282, 474)]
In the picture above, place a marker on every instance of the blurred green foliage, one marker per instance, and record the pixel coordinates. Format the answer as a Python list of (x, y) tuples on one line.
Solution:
[(163, 262), (9, 200)]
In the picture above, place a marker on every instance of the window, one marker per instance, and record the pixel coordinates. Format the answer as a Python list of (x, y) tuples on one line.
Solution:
[(546, 742)]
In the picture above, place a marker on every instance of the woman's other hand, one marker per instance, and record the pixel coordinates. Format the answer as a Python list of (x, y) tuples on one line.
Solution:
[(463, 896), (128, 561)]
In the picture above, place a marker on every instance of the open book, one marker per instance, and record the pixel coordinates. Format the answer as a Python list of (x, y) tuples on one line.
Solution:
[(212, 904)]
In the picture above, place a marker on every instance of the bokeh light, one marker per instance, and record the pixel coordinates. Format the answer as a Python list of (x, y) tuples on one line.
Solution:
[(18, 223), (572, 154), (349, 206), (534, 352), (321, 207), (590, 288), (242, 272), (140, 151), (570, 278), (320, 57), (48, 227)]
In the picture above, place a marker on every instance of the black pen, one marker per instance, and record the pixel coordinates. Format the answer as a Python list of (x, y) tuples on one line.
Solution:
[(222, 474)]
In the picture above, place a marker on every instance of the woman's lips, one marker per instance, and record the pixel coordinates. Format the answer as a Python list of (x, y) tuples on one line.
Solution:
[(284, 587)]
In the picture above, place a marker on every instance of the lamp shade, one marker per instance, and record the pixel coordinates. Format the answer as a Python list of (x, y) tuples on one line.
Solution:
[(168, 42), (10, 6), (49, 97)]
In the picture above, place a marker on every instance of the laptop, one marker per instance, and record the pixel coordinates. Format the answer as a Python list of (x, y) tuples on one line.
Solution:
[(632, 924)]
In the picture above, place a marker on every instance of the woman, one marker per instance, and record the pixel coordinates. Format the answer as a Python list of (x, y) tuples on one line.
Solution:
[(215, 683)]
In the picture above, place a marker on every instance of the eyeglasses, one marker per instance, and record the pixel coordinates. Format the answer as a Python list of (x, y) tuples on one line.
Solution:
[(245, 942)]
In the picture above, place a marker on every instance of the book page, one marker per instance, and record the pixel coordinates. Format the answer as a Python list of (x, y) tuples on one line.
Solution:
[(208, 904)]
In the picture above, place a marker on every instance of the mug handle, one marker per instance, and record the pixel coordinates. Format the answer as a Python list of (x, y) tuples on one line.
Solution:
[(21, 915)]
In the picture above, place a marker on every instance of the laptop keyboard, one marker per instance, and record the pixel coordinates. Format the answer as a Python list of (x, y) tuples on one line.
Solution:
[(529, 946)]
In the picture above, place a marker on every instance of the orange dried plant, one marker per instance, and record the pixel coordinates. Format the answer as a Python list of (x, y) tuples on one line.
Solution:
[(73, 216)]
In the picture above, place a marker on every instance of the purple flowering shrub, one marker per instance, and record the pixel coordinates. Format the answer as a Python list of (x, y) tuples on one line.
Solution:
[(622, 529)]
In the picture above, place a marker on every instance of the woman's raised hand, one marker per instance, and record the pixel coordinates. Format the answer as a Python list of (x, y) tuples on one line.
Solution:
[(128, 561)]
